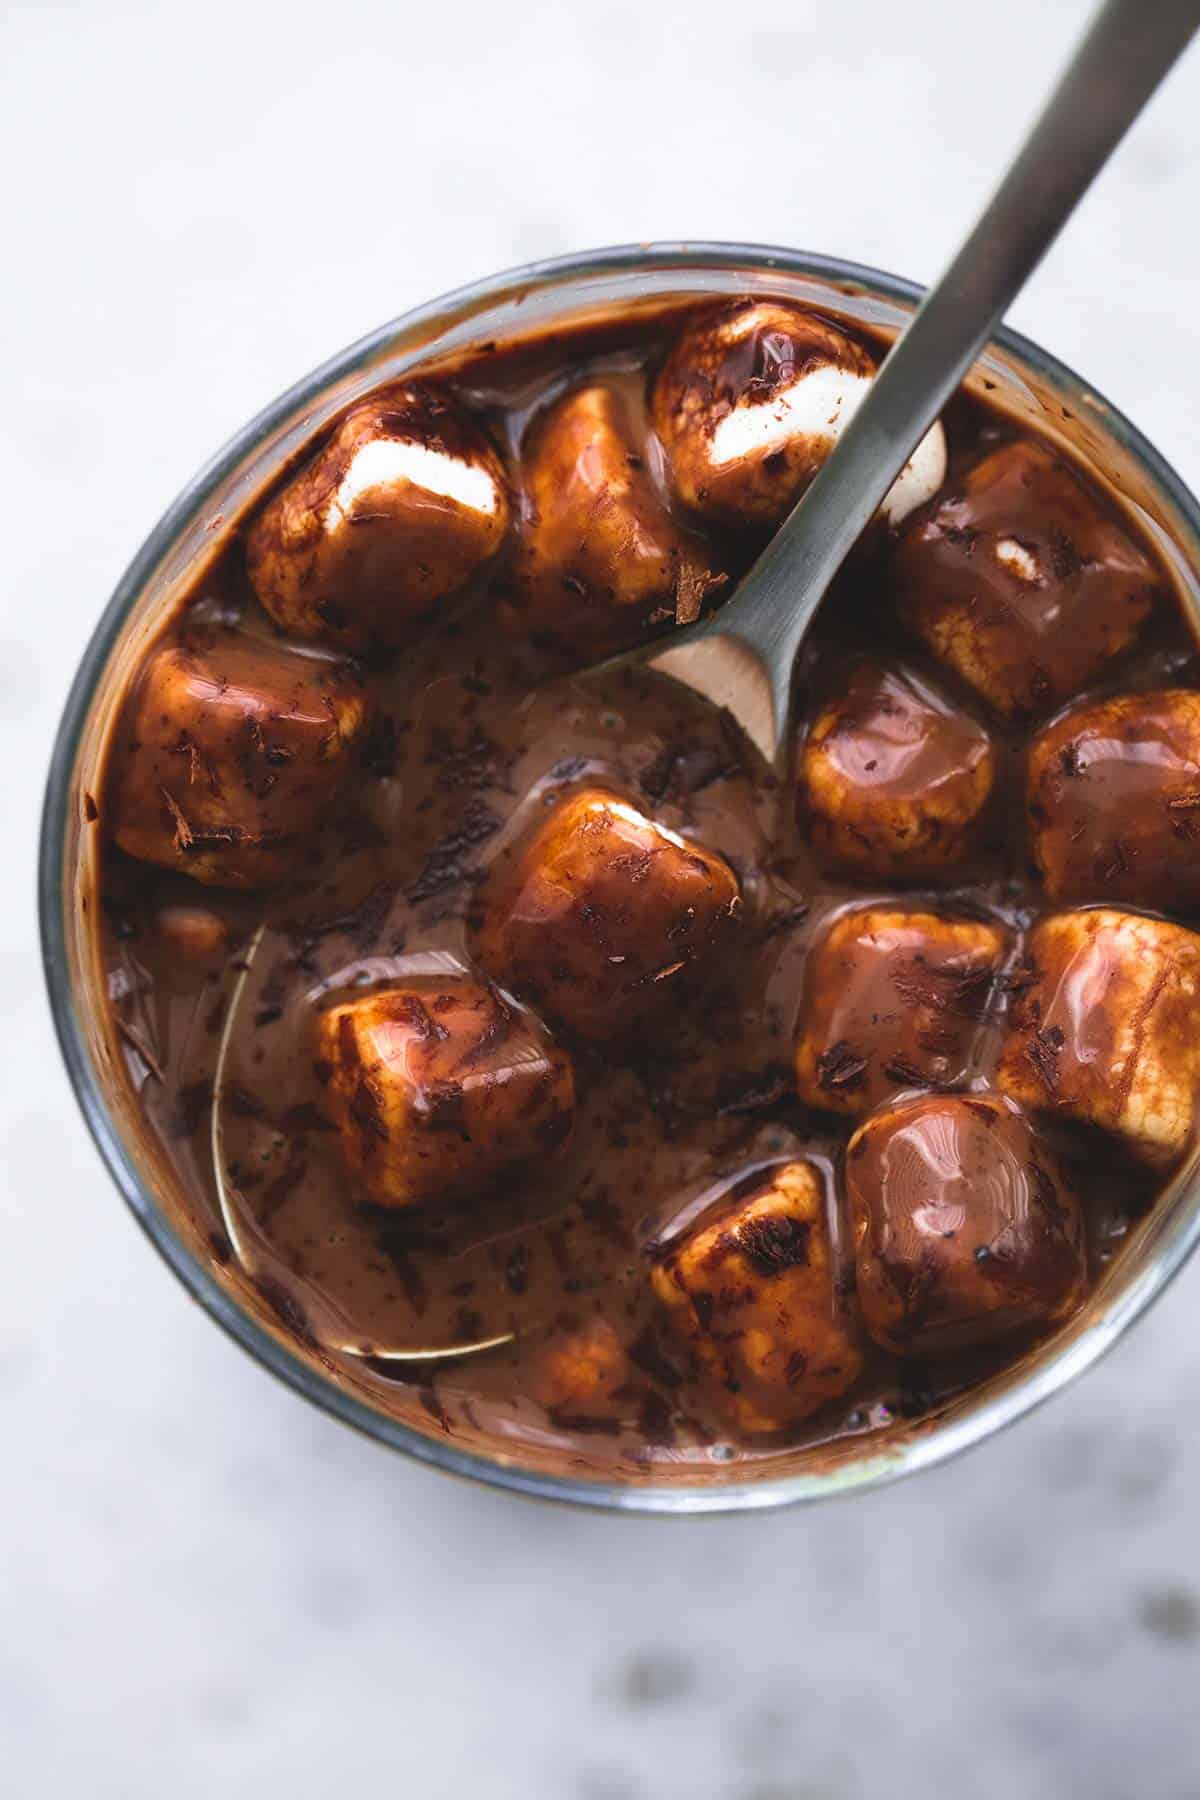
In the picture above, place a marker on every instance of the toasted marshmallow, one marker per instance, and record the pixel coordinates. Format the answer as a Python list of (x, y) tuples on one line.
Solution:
[(1022, 581), (893, 776), (603, 913), (965, 1230), (751, 401), (893, 999), (600, 562), (1105, 1032), (586, 1374), (1113, 796), (920, 479), (228, 753), (753, 1294), (404, 504), (436, 1087)]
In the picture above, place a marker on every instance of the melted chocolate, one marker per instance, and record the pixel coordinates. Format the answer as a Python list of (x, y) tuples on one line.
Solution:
[(474, 736)]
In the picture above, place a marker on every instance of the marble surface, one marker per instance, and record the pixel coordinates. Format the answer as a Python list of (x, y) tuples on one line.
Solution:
[(205, 1586)]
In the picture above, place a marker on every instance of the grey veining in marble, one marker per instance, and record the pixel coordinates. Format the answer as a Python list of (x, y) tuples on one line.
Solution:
[(205, 1587)]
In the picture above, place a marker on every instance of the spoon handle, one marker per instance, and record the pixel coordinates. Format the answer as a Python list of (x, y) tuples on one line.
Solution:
[(1128, 49)]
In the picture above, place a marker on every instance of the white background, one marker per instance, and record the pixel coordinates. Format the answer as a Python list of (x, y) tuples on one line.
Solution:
[(206, 1587)]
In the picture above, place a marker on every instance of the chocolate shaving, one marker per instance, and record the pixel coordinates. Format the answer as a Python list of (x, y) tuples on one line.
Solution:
[(940, 1039), (1042, 1051), (774, 1243), (910, 1074), (692, 589), (446, 866), (1017, 981), (289, 1177), (841, 1066), (185, 837), (408, 1233), (185, 747), (410, 1010), (474, 761), (956, 987), (682, 770), (365, 1110), (235, 834)]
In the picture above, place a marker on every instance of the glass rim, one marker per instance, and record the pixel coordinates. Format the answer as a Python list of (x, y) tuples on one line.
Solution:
[(948, 1438)]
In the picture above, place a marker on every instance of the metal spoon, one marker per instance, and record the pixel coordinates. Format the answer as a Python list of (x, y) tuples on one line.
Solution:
[(742, 658)]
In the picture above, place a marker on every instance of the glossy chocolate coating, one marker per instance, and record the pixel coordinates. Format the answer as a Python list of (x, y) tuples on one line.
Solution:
[(1021, 581), (437, 1086), (964, 1228), (754, 1293), (602, 913), (1104, 1028), (601, 563), (893, 776), (1113, 793), (893, 999), (229, 750)]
